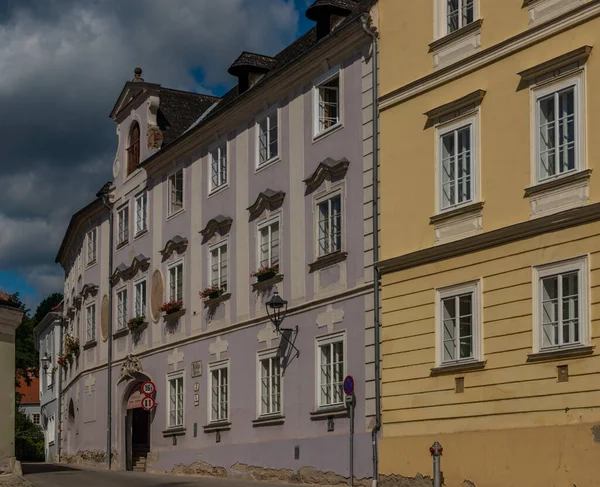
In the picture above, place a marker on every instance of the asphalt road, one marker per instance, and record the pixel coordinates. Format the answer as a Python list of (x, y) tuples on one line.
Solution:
[(45, 475)]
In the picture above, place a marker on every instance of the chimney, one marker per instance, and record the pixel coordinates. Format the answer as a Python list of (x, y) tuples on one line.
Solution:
[(249, 68), (328, 14)]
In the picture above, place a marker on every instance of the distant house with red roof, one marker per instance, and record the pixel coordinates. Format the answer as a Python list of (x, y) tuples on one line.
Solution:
[(30, 398)]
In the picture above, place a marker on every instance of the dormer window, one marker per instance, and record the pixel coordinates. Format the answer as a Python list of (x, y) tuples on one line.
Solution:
[(133, 150), (328, 14), (249, 68)]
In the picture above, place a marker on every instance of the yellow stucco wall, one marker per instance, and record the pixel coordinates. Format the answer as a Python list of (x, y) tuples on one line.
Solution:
[(7, 397)]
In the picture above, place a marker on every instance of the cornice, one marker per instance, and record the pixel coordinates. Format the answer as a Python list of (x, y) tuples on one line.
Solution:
[(576, 56), (492, 54), (494, 238), (266, 200), (472, 100), (220, 223), (139, 262), (327, 169), (176, 244)]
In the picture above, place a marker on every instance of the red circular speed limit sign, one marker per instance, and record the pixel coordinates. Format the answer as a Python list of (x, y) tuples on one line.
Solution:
[(148, 403), (148, 388)]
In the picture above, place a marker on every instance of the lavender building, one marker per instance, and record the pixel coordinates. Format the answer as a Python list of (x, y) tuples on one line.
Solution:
[(272, 179)]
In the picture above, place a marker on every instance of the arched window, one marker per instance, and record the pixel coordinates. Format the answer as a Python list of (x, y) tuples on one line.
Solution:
[(133, 151)]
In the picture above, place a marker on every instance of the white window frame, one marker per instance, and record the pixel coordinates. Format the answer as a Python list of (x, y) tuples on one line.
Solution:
[(218, 246), (581, 265), (213, 367), (139, 229), (268, 355), (49, 350), (475, 288), (121, 308), (272, 158), (470, 119), (170, 181), (222, 175), (51, 429), (577, 80), (440, 26), (323, 198), (264, 224), (92, 247), (327, 341), (169, 267), (140, 282), (90, 337), (180, 374), (336, 72), (123, 227)]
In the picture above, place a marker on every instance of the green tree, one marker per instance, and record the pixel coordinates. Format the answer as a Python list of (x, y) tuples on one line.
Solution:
[(46, 306), (29, 437)]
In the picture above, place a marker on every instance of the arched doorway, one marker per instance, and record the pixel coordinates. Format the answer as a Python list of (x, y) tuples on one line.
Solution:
[(137, 428)]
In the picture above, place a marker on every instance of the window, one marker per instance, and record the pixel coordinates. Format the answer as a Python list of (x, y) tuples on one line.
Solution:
[(176, 282), (330, 358), (458, 322), (218, 167), (35, 418), (327, 104), (330, 225), (51, 429), (268, 140), (48, 350), (140, 298), (218, 265), (456, 167), (123, 222), (175, 412), (557, 131), (122, 309), (269, 383), (562, 304), (219, 391), (176, 192), (91, 247), (90, 313), (133, 151), (141, 213), (268, 236), (459, 13)]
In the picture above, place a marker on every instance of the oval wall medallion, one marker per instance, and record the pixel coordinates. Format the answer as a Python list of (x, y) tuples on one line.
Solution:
[(156, 295), (116, 168), (104, 318)]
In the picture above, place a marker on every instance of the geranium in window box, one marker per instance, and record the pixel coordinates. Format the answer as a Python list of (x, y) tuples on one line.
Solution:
[(62, 361), (171, 307), (137, 323), (72, 347), (265, 272), (212, 292)]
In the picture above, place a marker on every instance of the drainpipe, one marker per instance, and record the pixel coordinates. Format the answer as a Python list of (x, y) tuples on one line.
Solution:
[(58, 429), (104, 195), (371, 31)]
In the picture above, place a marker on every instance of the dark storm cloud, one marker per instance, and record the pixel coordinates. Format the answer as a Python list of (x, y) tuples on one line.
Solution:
[(62, 66)]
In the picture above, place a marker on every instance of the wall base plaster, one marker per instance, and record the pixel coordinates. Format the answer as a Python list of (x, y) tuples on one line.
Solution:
[(88, 458)]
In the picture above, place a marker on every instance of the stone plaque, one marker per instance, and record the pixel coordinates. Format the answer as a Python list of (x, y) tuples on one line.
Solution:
[(156, 295), (196, 399), (197, 368), (104, 318)]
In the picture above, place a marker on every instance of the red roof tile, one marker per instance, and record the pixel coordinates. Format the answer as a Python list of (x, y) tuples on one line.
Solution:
[(30, 394)]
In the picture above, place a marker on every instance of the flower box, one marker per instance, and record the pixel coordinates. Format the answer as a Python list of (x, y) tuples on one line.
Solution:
[(171, 307), (212, 292), (265, 273), (137, 324)]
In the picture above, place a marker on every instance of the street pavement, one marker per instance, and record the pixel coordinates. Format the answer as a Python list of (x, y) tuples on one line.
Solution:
[(46, 475)]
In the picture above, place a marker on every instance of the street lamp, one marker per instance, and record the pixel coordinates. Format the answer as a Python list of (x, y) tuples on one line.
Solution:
[(276, 309), (45, 362)]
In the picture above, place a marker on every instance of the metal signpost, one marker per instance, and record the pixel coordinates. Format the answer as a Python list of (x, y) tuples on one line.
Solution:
[(349, 391)]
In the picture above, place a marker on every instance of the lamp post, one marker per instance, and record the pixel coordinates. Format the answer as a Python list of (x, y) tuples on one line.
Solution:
[(45, 362), (276, 309)]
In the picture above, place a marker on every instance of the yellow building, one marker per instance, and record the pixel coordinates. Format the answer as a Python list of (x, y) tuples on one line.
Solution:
[(490, 248)]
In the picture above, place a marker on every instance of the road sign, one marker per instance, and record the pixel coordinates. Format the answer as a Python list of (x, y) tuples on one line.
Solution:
[(349, 385), (148, 388), (148, 403)]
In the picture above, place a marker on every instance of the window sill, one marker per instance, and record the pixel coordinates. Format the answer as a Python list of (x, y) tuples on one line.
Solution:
[(321, 414), (461, 210), (122, 244), (90, 344), (175, 431), (140, 234), (557, 182), (559, 194), (120, 333), (457, 223), (174, 316), (562, 353), (331, 130), (217, 426), (267, 164), (216, 191), (457, 34), (91, 264), (176, 214), (51, 443), (272, 420), (212, 303), (327, 261), (458, 368), (267, 284)]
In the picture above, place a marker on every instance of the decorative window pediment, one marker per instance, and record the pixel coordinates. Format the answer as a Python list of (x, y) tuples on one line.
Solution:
[(327, 170), (455, 108), (140, 262), (176, 244), (220, 224), (267, 200), (87, 290), (555, 67)]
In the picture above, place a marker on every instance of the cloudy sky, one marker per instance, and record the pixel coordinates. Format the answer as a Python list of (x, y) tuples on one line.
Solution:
[(63, 64)]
